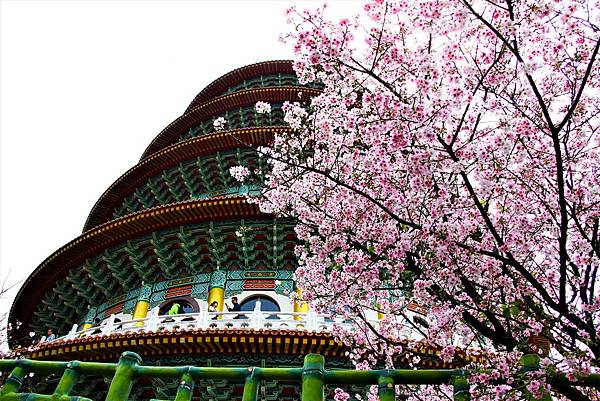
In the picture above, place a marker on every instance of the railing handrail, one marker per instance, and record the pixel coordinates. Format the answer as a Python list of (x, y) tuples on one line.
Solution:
[(312, 376)]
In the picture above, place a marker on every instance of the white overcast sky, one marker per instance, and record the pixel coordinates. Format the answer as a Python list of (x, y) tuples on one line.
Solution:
[(86, 85)]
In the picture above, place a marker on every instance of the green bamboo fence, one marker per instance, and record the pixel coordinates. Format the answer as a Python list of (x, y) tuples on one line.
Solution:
[(312, 376)]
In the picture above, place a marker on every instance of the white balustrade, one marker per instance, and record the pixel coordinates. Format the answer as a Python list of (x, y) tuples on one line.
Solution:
[(205, 320)]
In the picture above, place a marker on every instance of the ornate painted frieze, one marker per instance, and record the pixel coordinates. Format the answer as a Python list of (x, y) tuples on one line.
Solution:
[(197, 286)]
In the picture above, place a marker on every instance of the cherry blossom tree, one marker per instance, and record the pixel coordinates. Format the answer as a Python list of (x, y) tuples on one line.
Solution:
[(452, 161)]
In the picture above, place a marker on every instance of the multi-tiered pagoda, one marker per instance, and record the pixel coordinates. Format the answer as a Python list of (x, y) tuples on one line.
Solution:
[(168, 246)]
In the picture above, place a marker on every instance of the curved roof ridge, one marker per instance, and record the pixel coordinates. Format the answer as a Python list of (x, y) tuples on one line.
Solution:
[(192, 147), (219, 104), (219, 85)]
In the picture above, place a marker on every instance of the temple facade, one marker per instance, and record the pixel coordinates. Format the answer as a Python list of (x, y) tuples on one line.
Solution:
[(171, 243)]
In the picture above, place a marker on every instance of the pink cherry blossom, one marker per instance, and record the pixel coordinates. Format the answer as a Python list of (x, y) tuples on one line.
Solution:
[(239, 173), (452, 161), (340, 395)]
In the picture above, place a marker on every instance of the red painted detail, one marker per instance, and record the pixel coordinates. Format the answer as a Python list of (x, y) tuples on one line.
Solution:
[(178, 291), (118, 308), (259, 284)]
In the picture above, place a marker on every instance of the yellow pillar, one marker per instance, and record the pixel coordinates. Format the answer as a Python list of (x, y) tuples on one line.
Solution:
[(216, 290), (142, 305), (217, 294), (141, 309), (299, 306), (380, 314)]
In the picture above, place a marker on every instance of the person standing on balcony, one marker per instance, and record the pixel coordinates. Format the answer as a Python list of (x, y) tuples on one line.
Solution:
[(213, 307), (50, 336), (235, 307)]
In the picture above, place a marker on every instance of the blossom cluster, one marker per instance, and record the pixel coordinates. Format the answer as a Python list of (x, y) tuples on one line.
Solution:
[(239, 173), (219, 124), (262, 107)]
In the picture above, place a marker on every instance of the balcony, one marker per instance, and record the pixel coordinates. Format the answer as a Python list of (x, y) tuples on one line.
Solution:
[(214, 320), (205, 320), (255, 332)]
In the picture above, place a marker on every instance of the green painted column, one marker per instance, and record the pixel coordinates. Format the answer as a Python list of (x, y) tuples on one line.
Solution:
[(185, 389), (312, 378), (68, 380), (122, 382), (14, 381), (462, 389), (387, 390), (89, 318)]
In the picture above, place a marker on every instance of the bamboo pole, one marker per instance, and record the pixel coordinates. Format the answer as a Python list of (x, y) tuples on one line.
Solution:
[(387, 390), (14, 381), (122, 382), (40, 397), (400, 376), (312, 378), (250, 386), (185, 391), (68, 380), (461, 388)]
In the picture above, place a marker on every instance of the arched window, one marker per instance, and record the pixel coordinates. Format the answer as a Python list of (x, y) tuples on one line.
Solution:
[(267, 304), (186, 305)]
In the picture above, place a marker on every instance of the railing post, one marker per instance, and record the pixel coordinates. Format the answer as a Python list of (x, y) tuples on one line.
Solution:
[(186, 388), (312, 378), (68, 380), (250, 387), (387, 391), (311, 321), (152, 322), (121, 384), (73, 333), (109, 326), (202, 322), (462, 389), (257, 317), (14, 381)]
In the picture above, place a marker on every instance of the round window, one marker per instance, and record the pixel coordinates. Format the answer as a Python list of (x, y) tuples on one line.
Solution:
[(267, 304), (185, 306)]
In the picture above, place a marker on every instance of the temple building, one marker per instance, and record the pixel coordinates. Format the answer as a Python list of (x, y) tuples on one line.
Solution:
[(171, 243)]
